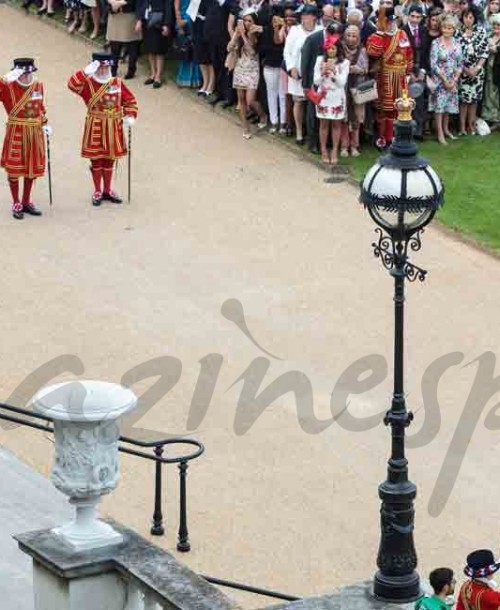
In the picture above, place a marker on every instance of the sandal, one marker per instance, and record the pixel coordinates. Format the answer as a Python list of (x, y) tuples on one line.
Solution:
[(72, 27)]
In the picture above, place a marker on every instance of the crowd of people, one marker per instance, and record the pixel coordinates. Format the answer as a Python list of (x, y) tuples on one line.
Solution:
[(326, 72)]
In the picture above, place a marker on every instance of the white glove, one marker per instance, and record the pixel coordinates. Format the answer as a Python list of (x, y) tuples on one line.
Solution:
[(47, 130), (92, 68), (129, 121), (13, 75)]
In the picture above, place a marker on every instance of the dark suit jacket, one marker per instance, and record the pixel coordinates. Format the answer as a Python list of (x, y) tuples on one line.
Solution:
[(215, 27), (165, 6), (312, 49), (367, 29), (417, 53)]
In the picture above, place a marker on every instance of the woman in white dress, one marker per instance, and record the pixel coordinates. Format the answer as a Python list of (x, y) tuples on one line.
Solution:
[(291, 54), (330, 76)]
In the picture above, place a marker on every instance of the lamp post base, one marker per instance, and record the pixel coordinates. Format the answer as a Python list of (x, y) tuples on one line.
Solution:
[(397, 589)]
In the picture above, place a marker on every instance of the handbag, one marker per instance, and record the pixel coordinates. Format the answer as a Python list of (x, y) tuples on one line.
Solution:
[(182, 48), (231, 59), (316, 96), (365, 92), (482, 128), (155, 19), (431, 84)]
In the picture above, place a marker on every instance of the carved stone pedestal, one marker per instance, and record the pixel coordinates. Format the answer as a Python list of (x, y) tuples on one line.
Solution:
[(86, 463)]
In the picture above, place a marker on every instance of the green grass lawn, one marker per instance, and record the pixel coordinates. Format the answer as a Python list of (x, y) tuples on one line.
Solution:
[(469, 168)]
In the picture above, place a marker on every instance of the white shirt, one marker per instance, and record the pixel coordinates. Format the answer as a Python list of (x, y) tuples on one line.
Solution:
[(292, 52)]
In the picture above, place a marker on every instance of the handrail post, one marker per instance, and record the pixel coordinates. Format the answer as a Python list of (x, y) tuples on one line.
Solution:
[(157, 529), (183, 544)]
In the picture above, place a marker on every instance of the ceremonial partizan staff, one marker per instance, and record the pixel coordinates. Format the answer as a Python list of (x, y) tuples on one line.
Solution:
[(110, 106), (23, 154)]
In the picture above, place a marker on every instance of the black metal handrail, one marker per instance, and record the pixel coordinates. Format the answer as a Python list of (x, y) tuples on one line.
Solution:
[(158, 447), (249, 589), (157, 528)]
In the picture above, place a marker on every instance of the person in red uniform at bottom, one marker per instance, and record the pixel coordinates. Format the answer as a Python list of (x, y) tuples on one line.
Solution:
[(110, 107), (23, 153), (393, 51), (479, 592)]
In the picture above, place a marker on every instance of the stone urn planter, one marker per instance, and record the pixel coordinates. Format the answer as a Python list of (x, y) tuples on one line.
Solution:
[(85, 415)]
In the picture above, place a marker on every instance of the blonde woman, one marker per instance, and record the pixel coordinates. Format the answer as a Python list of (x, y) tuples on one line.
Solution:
[(446, 64)]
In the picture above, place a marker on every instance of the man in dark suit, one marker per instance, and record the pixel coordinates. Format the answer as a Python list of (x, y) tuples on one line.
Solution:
[(312, 49), (415, 30), (217, 37)]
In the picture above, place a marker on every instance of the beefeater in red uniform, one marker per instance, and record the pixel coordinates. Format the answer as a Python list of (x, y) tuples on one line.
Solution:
[(23, 153), (110, 107), (479, 592), (393, 51)]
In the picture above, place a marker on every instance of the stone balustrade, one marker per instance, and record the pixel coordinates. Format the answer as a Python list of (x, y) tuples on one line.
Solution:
[(133, 575)]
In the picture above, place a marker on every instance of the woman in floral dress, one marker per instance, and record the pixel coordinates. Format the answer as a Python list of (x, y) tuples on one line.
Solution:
[(246, 71), (474, 42), (490, 110), (331, 72), (446, 65)]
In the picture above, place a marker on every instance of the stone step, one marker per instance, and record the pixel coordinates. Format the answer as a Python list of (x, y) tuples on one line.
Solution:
[(27, 501)]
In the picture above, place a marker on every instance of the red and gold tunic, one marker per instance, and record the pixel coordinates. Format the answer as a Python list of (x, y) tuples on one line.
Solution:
[(107, 104), (23, 153), (476, 595), (395, 55)]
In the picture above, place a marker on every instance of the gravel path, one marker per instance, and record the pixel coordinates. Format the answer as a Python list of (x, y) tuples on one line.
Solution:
[(216, 218)]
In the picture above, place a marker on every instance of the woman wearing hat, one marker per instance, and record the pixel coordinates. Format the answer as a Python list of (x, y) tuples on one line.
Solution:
[(479, 592), (292, 56), (23, 154), (110, 107)]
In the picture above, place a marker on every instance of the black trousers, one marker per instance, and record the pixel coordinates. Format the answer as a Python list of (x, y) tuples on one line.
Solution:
[(419, 114), (218, 54), (133, 55), (312, 126)]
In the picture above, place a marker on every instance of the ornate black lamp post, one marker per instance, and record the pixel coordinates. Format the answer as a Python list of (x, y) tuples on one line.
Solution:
[(402, 193)]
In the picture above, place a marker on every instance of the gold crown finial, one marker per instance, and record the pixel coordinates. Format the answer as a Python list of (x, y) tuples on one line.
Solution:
[(404, 105)]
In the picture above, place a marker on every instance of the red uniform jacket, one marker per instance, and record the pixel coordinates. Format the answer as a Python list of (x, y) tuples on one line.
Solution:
[(477, 596), (23, 153), (395, 57), (106, 106)]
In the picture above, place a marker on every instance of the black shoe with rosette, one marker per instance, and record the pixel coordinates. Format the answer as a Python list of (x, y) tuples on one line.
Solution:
[(31, 209), (97, 198), (17, 211), (112, 197)]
